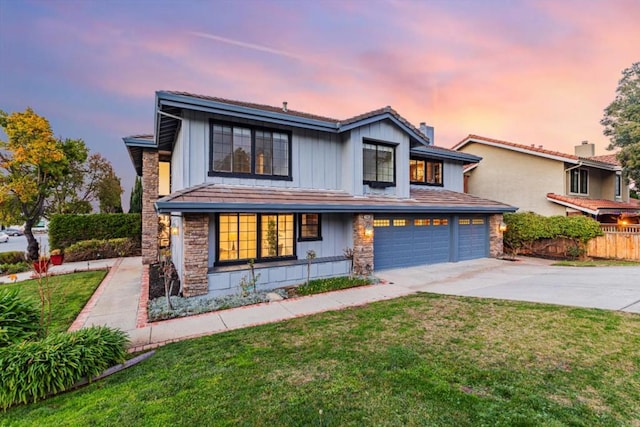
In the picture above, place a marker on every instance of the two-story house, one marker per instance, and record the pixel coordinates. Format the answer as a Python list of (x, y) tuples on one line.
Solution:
[(548, 182), (243, 182)]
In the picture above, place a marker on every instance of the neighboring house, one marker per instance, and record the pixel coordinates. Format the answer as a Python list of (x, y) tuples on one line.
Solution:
[(548, 182), (244, 182)]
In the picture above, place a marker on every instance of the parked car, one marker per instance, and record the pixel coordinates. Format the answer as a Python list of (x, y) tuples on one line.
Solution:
[(4, 237), (14, 232)]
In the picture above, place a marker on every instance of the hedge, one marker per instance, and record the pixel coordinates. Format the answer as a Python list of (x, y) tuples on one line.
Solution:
[(65, 230), (33, 370), (88, 250), (12, 257), (524, 228)]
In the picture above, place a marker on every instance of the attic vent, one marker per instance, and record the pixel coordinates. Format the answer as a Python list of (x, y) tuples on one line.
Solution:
[(284, 106)]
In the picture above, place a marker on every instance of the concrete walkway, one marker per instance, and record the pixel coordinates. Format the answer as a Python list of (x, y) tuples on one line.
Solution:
[(118, 303)]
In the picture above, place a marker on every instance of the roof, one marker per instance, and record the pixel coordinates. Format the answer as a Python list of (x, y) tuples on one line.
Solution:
[(594, 206), (170, 106), (241, 198), (609, 161)]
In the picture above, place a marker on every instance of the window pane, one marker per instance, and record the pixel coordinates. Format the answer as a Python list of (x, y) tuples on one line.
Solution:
[(285, 235), (416, 170), (574, 181), (381, 222), (280, 154), (309, 226), (385, 164), (228, 237), (369, 162), (264, 153), (222, 148), (241, 150), (584, 179), (247, 236)]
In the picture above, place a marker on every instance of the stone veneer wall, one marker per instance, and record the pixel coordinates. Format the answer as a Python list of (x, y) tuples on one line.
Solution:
[(196, 254), (496, 245), (362, 245), (149, 215)]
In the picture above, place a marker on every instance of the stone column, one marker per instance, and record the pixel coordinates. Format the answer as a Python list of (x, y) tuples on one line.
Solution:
[(196, 254), (362, 244), (149, 215), (496, 245)]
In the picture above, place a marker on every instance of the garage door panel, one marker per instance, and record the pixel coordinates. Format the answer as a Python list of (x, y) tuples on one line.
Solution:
[(411, 244)]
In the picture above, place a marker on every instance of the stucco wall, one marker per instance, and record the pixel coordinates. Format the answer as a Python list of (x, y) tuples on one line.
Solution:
[(518, 179)]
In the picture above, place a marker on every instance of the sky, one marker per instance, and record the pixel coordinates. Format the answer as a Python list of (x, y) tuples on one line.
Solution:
[(531, 72)]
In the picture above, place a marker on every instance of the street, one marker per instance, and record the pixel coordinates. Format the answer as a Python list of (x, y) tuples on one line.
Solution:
[(19, 243)]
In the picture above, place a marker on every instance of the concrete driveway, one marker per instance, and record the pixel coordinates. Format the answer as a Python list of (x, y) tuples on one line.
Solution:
[(528, 279)]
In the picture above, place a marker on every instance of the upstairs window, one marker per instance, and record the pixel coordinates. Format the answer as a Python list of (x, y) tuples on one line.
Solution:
[(378, 163), (247, 152), (618, 184), (425, 171), (579, 181)]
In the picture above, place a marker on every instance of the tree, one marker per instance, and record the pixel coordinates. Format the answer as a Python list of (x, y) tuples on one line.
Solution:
[(81, 181), (622, 121), (109, 192), (32, 163), (135, 201)]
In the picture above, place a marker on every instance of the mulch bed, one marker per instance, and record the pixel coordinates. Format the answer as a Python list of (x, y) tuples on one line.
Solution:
[(156, 283)]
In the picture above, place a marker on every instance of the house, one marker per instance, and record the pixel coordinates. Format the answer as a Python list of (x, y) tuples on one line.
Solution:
[(236, 181), (548, 182)]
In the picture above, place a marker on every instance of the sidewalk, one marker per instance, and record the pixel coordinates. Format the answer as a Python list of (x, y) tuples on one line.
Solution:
[(117, 303)]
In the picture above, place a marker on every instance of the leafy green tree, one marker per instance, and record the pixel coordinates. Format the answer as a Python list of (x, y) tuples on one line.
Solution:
[(81, 181), (621, 121), (135, 201), (32, 163), (109, 193)]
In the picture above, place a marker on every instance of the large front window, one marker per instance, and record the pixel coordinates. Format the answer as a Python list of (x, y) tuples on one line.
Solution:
[(245, 151), (378, 162), (424, 171), (255, 236), (579, 181)]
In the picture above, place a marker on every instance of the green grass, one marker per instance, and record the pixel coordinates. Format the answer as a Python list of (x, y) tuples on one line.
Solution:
[(597, 263), (420, 360), (70, 293)]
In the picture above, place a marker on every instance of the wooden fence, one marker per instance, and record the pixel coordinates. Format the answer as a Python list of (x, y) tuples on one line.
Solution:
[(618, 242)]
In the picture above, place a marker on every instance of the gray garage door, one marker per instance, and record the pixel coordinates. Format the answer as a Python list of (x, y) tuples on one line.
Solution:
[(403, 241), (473, 238)]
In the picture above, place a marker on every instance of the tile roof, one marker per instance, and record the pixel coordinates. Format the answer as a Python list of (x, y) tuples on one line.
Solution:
[(214, 197), (609, 159), (593, 205)]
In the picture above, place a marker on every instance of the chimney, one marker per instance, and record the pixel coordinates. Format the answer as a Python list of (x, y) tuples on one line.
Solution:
[(585, 149), (429, 131), (284, 106)]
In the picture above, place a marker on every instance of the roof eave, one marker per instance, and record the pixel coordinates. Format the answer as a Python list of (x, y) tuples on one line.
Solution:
[(216, 107), (384, 116), (200, 207)]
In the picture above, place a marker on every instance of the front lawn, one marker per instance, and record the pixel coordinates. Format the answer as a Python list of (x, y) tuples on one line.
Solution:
[(420, 360), (70, 294)]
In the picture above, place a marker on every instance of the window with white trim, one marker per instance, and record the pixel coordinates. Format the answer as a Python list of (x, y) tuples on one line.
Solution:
[(579, 181), (618, 184)]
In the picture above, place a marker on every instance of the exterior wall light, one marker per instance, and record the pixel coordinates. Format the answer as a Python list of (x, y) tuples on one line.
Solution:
[(502, 227), (175, 230), (368, 230)]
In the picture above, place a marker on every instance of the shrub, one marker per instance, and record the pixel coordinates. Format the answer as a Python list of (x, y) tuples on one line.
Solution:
[(15, 268), (19, 318), (65, 230), (526, 227), (96, 249), (330, 284), (12, 257), (32, 370)]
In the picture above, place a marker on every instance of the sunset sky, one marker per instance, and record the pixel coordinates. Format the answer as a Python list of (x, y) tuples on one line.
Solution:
[(532, 72)]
